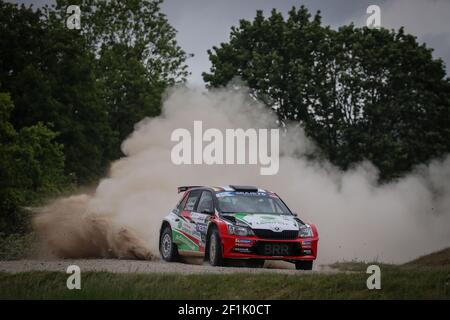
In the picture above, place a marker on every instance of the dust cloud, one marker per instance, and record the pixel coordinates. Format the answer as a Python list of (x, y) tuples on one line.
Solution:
[(356, 218)]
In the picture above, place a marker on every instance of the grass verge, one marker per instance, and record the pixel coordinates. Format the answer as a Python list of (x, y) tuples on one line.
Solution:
[(397, 283), (16, 246)]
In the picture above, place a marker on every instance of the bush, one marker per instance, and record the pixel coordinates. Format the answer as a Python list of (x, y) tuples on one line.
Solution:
[(16, 246), (31, 167)]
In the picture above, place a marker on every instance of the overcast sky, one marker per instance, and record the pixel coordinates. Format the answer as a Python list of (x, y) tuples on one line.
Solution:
[(202, 24)]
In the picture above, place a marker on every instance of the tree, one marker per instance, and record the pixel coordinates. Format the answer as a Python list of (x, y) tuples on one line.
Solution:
[(31, 166), (51, 80), (91, 84), (137, 56), (360, 93), (74, 95)]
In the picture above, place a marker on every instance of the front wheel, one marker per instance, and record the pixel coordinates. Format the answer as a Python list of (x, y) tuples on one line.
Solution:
[(215, 256), (303, 265), (168, 249)]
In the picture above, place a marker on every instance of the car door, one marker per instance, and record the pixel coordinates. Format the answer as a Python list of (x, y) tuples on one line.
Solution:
[(202, 215), (185, 234)]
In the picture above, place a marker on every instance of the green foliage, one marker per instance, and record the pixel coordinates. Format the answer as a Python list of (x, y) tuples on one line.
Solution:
[(74, 95), (137, 56), (31, 166), (92, 84), (50, 79), (360, 93), (16, 246)]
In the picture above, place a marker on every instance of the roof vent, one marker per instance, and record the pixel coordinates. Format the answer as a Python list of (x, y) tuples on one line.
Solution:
[(244, 188)]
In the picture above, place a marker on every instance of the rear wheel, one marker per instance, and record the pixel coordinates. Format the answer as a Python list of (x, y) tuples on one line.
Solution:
[(215, 255), (303, 265), (168, 249)]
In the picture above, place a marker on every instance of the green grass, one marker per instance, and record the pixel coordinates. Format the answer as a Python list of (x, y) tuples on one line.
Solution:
[(358, 266), (439, 258), (427, 277), (396, 283), (16, 246)]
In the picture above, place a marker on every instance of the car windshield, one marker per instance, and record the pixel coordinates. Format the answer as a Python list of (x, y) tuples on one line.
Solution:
[(251, 202)]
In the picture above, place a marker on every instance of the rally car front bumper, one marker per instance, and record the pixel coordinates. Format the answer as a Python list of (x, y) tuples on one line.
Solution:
[(252, 247)]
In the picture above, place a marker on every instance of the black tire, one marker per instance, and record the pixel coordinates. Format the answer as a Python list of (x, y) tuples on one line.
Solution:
[(256, 263), (167, 248), (215, 254), (303, 265)]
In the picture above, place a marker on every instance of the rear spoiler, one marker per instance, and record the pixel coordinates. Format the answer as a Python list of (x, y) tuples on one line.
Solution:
[(186, 188)]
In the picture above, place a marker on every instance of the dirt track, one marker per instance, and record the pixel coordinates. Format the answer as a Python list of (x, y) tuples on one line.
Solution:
[(132, 266)]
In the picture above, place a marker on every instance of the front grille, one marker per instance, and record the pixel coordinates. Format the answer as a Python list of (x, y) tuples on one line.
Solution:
[(272, 235), (277, 248)]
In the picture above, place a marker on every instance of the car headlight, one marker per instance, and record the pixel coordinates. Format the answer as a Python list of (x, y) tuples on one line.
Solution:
[(239, 230), (305, 231)]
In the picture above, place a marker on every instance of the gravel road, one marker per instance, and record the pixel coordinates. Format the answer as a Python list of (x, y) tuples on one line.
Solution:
[(134, 266)]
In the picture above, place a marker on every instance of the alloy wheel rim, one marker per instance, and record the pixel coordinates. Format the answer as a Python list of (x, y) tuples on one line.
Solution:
[(212, 248), (166, 245)]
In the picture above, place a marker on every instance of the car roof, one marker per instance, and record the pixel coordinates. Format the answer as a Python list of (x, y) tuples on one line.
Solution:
[(231, 188), (227, 188)]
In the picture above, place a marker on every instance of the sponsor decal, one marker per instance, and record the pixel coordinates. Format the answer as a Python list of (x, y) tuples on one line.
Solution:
[(241, 216), (244, 241), (268, 221), (234, 193), (224, 194), (183, 242), (267, 218), (201, 227), (250, 193)]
